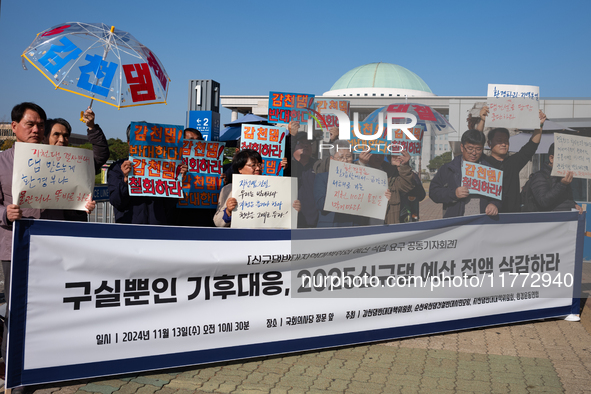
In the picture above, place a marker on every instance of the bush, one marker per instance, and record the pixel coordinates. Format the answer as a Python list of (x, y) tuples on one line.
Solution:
[(438, 161)]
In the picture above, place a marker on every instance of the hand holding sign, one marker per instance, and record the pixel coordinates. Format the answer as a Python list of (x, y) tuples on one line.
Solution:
[(231, 205), (484, 112), (462, 192), (90, 205), (126, 169), (401, 160), (568, 178), (13, 212), (491, 210)]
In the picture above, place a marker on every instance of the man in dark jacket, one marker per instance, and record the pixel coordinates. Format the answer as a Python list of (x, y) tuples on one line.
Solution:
[(446, 187), (58, 131), (553, 193), (498, 141)]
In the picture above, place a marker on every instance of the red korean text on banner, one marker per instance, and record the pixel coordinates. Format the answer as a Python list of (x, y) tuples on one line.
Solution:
[(157, 69), (55, 31), (140, 85)]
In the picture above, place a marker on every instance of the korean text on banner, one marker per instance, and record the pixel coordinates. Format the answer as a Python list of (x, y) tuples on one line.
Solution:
[(51, 176), (572, 153), (202, 183), (513, 106), (269, 141), (233, 293), (285, 107), (264, 201), (400, 141), (326, 121), (155, 154), (481, 179), (356, 190)]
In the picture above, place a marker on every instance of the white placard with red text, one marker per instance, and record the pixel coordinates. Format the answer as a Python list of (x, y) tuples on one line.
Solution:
[(513, 106), (51, 176), (356, 190)]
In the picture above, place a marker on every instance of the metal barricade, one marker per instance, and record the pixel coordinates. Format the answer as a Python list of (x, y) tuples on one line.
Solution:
[(103, 213)]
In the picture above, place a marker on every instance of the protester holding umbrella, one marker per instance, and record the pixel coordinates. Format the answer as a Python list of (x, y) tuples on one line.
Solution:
[(58, 131)]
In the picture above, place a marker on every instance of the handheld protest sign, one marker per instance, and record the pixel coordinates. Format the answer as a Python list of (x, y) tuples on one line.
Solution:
[(285, 107), (326, 121), (572, 153), (202, 182), (264, 201), (155, 154), (269, 141), (513, 106), (481, 179), (51, 176), (356, 190)]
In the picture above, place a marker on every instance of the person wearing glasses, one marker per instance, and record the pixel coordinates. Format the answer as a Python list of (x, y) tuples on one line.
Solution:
[(446, 186), (246, 162)]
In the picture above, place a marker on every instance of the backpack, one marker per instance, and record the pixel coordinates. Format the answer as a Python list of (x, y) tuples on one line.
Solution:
[(528, 201)]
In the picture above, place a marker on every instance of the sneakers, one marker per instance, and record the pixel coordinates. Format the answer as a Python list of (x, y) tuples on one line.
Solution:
[(572, 317)]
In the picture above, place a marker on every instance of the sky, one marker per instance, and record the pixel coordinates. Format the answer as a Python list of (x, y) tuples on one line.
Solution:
[(251, 48)]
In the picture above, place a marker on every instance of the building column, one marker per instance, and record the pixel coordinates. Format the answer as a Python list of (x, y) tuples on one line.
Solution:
[(234, 115)]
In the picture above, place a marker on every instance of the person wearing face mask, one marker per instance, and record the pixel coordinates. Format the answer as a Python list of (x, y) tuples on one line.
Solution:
[(511, 165)]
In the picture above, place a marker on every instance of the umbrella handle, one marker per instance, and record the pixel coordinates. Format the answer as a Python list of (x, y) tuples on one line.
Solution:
[(82, 112)]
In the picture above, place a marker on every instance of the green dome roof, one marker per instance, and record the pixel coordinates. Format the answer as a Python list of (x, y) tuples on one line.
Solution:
[(381, 75)]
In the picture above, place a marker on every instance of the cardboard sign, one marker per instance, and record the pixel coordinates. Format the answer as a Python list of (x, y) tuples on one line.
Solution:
[(155, 154), (572, 153), (51, 176), (513, 106), (481, 179), (285, 107), (269, 141), (356, 190), (202, 183), (264, 201)]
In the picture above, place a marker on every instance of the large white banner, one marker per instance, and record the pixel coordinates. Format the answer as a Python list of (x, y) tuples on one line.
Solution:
[(513, 106), (572, 153), (51, 176), (113, 299)]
